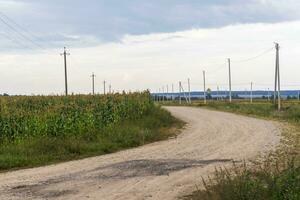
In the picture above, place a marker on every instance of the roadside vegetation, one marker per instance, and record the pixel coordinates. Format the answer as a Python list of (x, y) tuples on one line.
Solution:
[(290, 111), (268, 180), (274, 177), (42, 130)]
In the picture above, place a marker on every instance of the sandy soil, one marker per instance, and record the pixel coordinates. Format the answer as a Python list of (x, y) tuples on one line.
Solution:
[(163, 170)]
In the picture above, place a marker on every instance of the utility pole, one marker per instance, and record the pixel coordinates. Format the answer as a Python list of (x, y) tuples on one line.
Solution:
[(218, 92), (268, 94), (104, 87), (167, 92), (251, 94), (189, 85), (65, 54), (159, 94), (298, 95), (204, 87), (93, 83), (277, 78), (229, 67), (172, 92), (278, 71), (110, 91), (163, 89), (179, 92)]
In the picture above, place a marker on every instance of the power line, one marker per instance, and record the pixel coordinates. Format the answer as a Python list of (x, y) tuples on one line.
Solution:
[(31, 34), (20, 34), (254, 57), (217, 69), (19, 26), (221, 67), (13, 40)]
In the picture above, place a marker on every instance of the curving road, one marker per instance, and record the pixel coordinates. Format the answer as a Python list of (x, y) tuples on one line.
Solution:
[(162, 170)]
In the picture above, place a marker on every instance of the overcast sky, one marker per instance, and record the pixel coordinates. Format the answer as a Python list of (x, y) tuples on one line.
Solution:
[(140, 44)]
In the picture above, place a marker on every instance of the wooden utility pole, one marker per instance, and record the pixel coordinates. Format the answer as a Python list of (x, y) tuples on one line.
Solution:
[(93, 83), (172, 92), (179, 92), (110, 90), (218, 93), (65, 54), (277, 78), (104, 87), (229, 68), (159, 94), (167, 93), (163, 90), (278, 71)]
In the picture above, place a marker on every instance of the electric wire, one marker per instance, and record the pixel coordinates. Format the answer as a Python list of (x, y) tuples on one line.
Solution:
[(254, 57), (14, 40), (21, 34), (19, 26)]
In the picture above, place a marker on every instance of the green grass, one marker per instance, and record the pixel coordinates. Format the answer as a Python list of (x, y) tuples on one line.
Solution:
[(156, 124), (262, 182), (290, 111)]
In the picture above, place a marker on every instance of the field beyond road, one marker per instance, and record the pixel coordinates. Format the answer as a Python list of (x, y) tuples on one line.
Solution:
[(162, 170)]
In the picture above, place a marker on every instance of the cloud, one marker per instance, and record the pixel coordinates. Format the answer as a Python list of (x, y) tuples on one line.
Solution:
[(12, 6), (155, 60), (100, 21)]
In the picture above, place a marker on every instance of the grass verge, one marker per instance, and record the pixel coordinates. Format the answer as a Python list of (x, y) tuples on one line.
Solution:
[(157, 124), (266, 181)]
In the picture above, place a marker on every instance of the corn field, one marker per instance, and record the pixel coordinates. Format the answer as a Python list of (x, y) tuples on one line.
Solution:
[(27, 117)]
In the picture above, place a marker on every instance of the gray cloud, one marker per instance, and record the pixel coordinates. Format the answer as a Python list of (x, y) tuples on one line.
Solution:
[(86, 23)]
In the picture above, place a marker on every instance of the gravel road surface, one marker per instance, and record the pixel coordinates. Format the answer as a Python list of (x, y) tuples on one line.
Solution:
[(162, 170)]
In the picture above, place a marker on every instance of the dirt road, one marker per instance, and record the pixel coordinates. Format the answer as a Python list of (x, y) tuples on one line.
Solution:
[(163, 170)]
